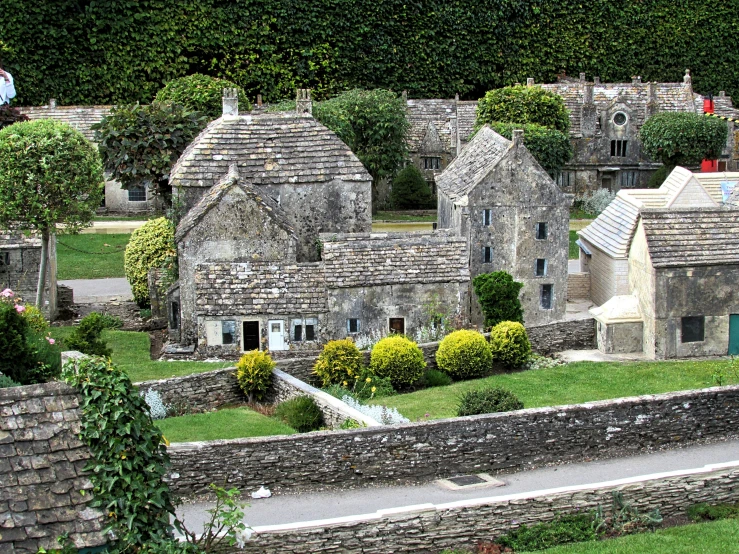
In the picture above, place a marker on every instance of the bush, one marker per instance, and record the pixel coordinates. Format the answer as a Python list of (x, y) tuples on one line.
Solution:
[(17, 356), (488, 401), (254, 374), (410, 190), (151, 246), (658, 177), (87, 336), (565, 529), (551, 148), (340, 361), (523, 104), (200, 93), (464, 354), (301, 413), (681, 138), (595, 202), (157, 409), (399, 359), (35, 319), (436, 378), (708, 512), (364, 386), (510, 343), (497, 294), (6, 382)]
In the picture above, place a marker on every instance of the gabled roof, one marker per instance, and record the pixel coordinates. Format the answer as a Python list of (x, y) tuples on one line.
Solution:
[(79, 117), (712, 182), (214, 195), (691, 237), (270, 149), (477, 159)]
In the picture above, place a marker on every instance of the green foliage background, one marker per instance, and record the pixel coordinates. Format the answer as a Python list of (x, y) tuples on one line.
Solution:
[(115, 51)]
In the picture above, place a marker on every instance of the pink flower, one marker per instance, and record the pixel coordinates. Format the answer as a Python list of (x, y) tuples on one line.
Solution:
[(20, 308), (51, 341), (7, 293)]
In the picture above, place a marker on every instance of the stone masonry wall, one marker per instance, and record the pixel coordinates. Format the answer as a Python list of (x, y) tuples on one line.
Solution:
[(578, 286), (577, 334), (41, 475), (419, 452)]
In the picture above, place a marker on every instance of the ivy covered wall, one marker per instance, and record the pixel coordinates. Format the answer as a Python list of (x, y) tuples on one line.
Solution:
[(110, 51)]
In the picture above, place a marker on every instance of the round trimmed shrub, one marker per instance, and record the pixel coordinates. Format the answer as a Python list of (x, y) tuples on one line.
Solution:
[(523, 104), (301, 413), (464, 354), (510, 343), (436, 378), (254, 374), (399, 359), (150, 247), (201, 93), (6, 382), (488, 401), (340, 361)]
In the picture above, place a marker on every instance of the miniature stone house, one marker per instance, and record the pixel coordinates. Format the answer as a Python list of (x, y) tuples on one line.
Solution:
[(514, 218), (20, 258)]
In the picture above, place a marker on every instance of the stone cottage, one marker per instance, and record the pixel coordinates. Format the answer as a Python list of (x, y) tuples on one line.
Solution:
[(513, 217), (20, 258)]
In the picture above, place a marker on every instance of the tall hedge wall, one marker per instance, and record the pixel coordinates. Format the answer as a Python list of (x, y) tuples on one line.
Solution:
[(106, 51)]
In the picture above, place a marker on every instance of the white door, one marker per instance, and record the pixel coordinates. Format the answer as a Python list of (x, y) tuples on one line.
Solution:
[(276, 335)]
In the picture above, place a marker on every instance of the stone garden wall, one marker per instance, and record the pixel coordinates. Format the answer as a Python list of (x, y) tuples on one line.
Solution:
[(41, 475), (430, 529), (419, 452)]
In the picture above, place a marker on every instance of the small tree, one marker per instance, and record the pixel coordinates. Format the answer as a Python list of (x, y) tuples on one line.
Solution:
[(410, 190), (497, 293), (682, 139), (523, 104), (373, 124), (140, 144), (50, 174), (200, 93)]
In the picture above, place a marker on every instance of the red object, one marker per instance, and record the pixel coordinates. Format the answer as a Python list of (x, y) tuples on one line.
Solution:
[(708, 166)]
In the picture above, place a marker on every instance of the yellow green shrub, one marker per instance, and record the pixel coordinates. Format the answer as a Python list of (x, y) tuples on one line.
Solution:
[(151, 246), (399, 359), (254, 374), (464, 354), (339, 362), (510, 343)]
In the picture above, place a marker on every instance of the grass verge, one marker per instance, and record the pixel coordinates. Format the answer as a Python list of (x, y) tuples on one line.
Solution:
[(574, 248), (568, 384), (230, 423), (90, 256), (400, 216)]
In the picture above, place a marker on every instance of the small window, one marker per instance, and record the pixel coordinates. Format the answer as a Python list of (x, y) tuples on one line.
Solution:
[(137, 193), (693, 329), (618, 148), (397, 325), (352, 325), (4, 260), (627, 179), (304, 329), (546, 297), (487, 254), (228, 332), (542, 230), (487, 217), (565, 179), (297, 332), (541, 267), (432, 163), (174, 318), (620, 119), (310, 331)]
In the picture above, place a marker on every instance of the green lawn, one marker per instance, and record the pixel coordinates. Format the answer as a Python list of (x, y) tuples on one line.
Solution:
[(574, 248), (232, 423), (394, 216), (131, 353), (715, 537), (568, 384), (90, 256), (134, 217)]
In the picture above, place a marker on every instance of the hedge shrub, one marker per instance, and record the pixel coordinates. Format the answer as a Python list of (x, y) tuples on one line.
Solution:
[(464, 354), (488, 401), (17, 356), (340, 361), (550, 147), (200, 93), (497, 294), (254, 374), (399, 359), (151, 245), (683, 138), (510, 343), (410, 190), (301, 413), (522, 104)]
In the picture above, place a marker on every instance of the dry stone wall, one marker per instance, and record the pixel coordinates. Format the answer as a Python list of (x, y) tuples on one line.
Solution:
[(41, 471), (419, 452)]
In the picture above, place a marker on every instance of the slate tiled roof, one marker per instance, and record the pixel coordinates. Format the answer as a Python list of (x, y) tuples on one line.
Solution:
[(79, 117), (422, 112), (269, 149), (481, 155), (704, 236), (211, 199), (359, 260), (466, 115)]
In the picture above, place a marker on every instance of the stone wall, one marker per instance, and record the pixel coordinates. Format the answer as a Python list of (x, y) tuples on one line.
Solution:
[(576, 334), (431, 528), (41, 475), (419, 452), (578, 286)]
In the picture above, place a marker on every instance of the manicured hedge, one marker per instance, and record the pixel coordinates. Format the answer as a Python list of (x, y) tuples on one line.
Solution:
[(124, 51)]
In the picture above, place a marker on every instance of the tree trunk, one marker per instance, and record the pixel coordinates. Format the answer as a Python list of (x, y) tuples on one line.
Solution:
[(42, 269)]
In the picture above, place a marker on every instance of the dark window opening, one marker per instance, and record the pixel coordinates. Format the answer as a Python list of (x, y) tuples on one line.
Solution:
[(693, 329), (487, 254), (627, 179), (352, 325), (298, 333), (174, 320), (565, 179), (251, 335), (541, 267), (618, 148), (137, 193), (432, 163), (487, 217), (397, 325), (546, 297), (4, 260), (542, 230), (722, 165), (310, 333), (228, 332)]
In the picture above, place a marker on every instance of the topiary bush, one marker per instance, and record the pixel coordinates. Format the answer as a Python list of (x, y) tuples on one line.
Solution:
[(464, 354), (399, 359), (301, 413), (17, 356), (254, 374), (87, 336), (497, 294), (488, 401), (151, 246), (340, 361), (551, 148), (200, 93), (510, 343), (410, 190), (523, 104)]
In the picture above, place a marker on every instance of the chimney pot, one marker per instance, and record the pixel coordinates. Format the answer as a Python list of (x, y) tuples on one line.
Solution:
[(530, 82), (596, 80), (517, 137), (52, 103), (582, 77), (230, 102)]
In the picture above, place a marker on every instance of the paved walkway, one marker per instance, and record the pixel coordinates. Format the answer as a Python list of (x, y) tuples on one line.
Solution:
[(287, 508), (99, 291)]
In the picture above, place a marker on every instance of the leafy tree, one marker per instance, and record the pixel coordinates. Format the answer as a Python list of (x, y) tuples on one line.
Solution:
[(200, 93), (682, 139), (410, 190), (140, 144), (551, 148), (50, 174), (373, 124), (497, 293), (523, 104)]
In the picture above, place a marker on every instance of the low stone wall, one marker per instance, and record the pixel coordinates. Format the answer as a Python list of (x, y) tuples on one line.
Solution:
[(419, 452), (576, 334), (578, 286), (41, 475), (429, 529), (201, 392)]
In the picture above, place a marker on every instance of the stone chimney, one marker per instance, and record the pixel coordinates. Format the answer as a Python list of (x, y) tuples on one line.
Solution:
[(687, 79), (404, 95), (636, 80), (517, 137), (259, 100), (652, 106), (582, 77), (588, 112), (52, 103), (529, 81), (596, 80), (303, 102), (230, 102)]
